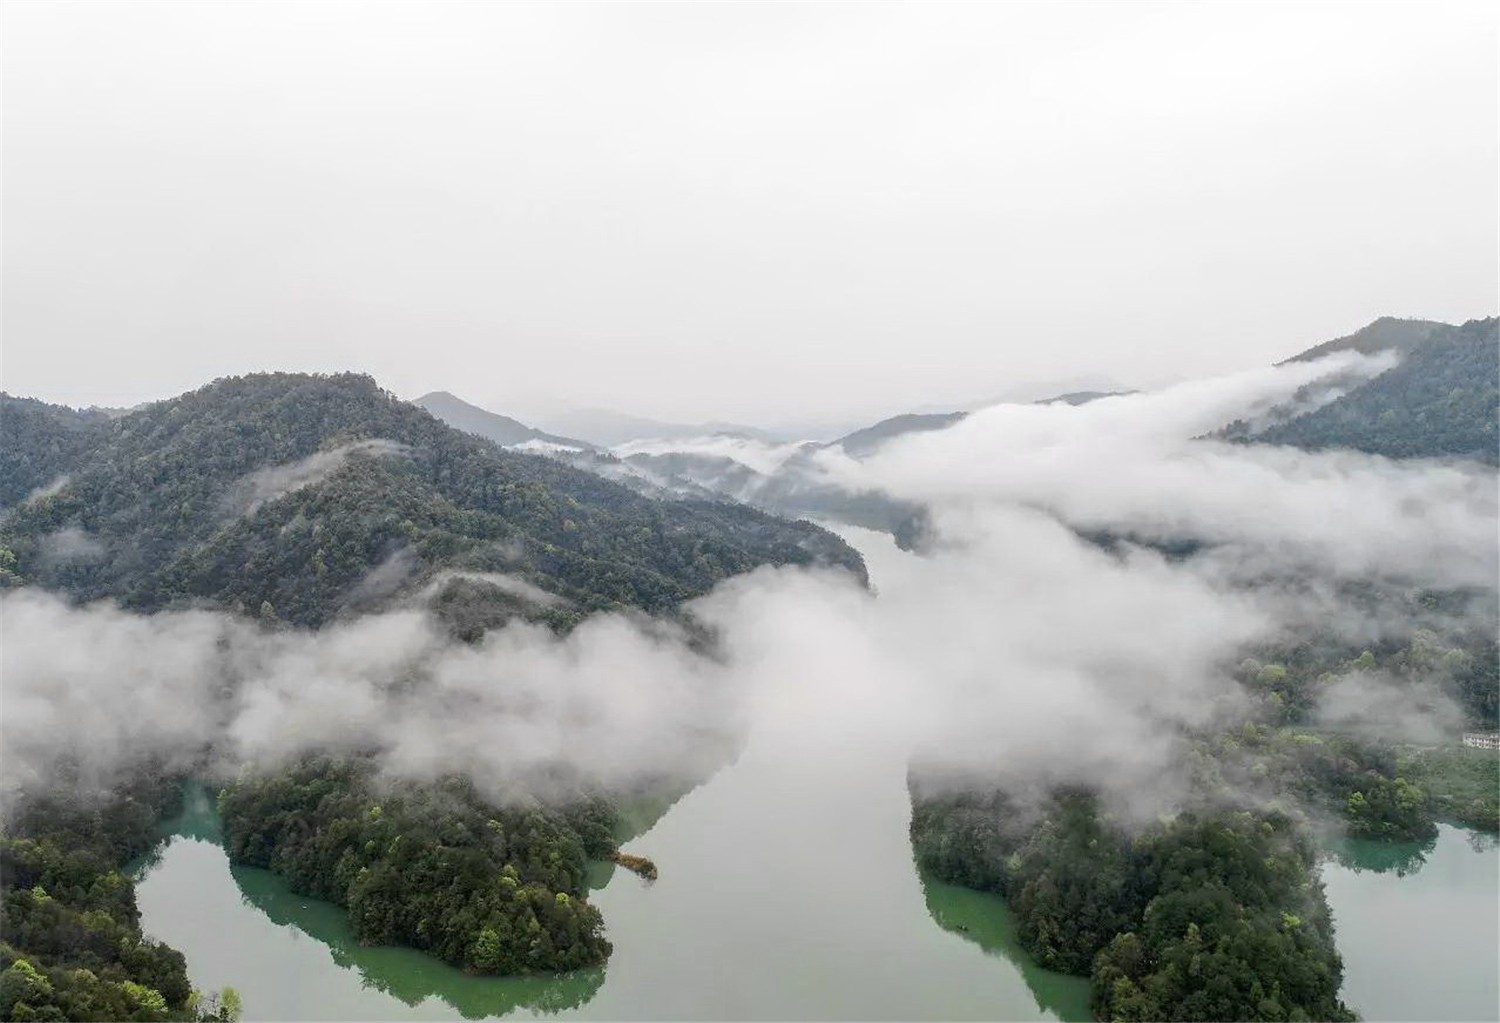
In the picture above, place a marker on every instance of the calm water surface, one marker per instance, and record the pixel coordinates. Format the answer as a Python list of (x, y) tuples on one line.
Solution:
[(748, 921), (1419, 926), (788, 893)]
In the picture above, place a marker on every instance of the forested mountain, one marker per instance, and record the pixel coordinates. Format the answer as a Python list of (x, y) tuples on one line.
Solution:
[(503, 430), (1210, 916), (1441, 399), (282, 494), (299, 498), (1385, 334), (1216, 911), (39, 442)]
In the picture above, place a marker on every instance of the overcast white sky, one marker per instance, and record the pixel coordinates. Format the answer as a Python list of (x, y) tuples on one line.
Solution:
[(751, 212)]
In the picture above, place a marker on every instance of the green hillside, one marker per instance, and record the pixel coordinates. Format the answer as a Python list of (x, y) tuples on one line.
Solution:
[(290, 490), (1441, 399)]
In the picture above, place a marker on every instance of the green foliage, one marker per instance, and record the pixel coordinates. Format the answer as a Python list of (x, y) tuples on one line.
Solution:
[(491, 889), (1359, 780), (1463, 663), (72, 944), (1378, 788), (1074, 886), (40, 442), (1440, 400), (1209, 916), (170, 494), (1462, 785), (1218, 914), (1237, 927), (1271, 674)]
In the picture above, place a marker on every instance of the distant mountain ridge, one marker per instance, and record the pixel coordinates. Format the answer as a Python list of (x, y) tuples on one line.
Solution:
[(503, 430), (1440, 400), (862, 443), (606, 428), (1081, 397)]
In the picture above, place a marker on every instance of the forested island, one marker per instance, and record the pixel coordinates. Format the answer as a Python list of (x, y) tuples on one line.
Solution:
[(1217, 912), (488, 888)]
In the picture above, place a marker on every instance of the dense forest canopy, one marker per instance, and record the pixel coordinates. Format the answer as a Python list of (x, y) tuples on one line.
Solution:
[(41, 442), (1214, 911), (489, 888), (284, 492), (71, 945), (1215, 916), (1386, 334), (1441, 399)]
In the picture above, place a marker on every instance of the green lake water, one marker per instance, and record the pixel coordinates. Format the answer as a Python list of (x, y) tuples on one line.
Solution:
[(735, 928), (787, 890), (1419, 926)]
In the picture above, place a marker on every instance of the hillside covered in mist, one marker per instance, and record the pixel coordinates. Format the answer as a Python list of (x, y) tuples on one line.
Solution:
[(303, 497), (1438, 399), (295, 500)]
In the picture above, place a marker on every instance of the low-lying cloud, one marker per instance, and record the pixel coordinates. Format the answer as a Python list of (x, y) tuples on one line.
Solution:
[(275, 481), (67, 546), (1011, 645)]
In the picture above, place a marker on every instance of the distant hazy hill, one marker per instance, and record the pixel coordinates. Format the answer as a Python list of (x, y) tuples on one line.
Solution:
[(503, 430), (607, 428), (716, 473), (321, 494), (1081, 397), (1441, 399), (865, 442), (862, 443)]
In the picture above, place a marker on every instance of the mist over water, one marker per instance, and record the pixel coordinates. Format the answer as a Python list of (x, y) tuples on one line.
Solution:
[(787, 890), (1006, 638)]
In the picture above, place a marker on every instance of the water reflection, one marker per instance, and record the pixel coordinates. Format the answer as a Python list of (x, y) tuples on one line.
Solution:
[(1419, 926), (406, 974), (986, 920), (1382, 857), (184, 899)]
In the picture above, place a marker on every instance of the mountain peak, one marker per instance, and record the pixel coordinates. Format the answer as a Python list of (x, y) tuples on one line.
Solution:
[(1384, 334), (503, 430)]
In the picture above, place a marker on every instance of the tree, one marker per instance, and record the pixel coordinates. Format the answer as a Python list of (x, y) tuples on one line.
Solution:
[(22, 983)]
